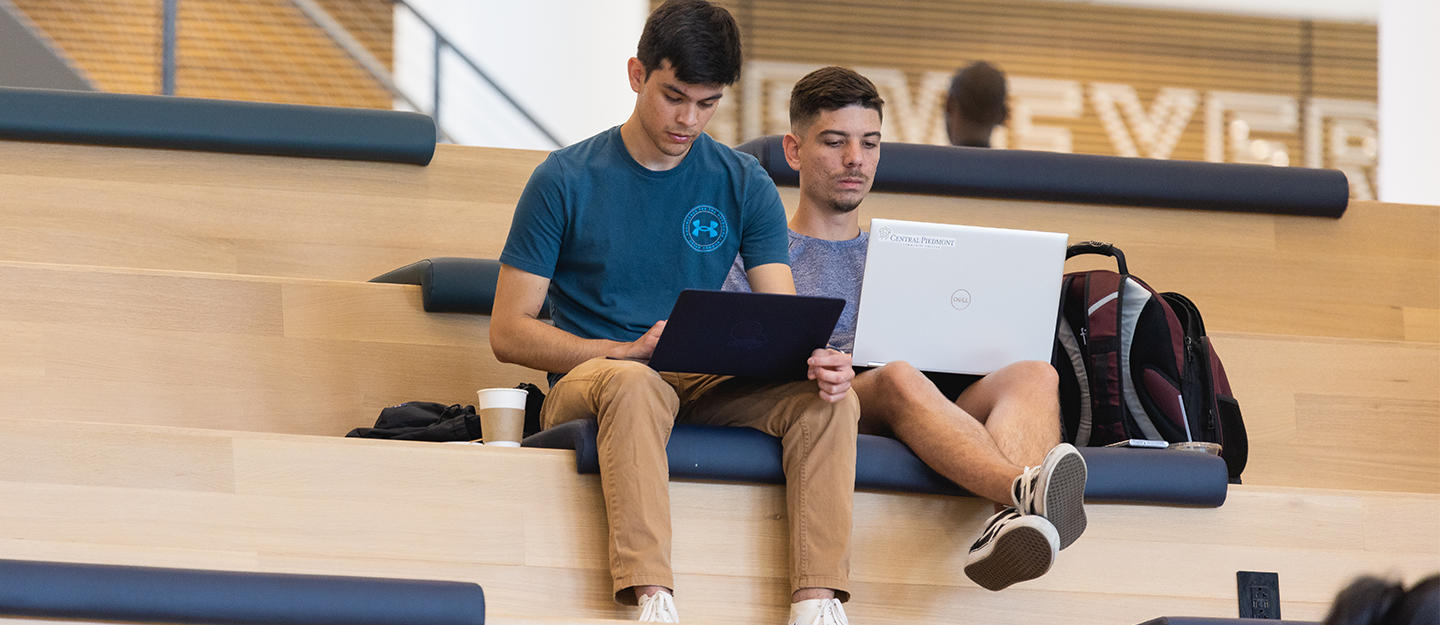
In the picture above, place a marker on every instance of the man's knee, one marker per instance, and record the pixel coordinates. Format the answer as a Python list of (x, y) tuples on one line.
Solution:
[(901, 382), (844, 412), (626, 375), (613, 382), (1036, 375)]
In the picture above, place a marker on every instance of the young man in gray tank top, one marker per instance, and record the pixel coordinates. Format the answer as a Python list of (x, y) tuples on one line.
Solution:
[(1000, 438)]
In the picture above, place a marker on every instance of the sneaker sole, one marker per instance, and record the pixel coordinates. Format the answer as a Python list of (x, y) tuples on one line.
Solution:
[(1065, 498), (1019, 555)]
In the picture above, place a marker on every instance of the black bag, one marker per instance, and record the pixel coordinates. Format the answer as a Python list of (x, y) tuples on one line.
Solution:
[(424, 421), (1135, 363), (429, 421)]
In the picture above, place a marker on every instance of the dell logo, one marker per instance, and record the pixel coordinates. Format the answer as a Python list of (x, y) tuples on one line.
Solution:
[(747, 335), (960, 299)]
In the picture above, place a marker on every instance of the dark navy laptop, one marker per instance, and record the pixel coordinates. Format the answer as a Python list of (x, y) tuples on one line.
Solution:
[(757, 335)]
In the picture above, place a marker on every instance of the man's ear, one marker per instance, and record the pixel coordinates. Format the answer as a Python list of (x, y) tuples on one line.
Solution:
[(636, 70), (792, 150)]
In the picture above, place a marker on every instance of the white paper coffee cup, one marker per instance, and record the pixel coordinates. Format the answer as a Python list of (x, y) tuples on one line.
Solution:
[(502, 415)]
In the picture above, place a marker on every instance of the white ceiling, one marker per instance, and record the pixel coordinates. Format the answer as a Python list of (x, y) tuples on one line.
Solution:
[(1366, 11)]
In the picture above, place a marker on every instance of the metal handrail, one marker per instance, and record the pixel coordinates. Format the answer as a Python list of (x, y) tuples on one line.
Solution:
[(361, 55), (441, 43)]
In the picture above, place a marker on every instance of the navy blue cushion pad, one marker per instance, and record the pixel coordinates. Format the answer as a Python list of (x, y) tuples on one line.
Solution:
[(1089, 179), (449, 284), (1198, 620), (1153, 476), (163, 595), (149, 121)]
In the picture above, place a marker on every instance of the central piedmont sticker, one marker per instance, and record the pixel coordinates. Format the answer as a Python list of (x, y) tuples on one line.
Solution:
[(915, 240)]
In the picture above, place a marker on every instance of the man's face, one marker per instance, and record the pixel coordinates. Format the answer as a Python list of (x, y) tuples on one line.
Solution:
[(836, 156), (671, 113)]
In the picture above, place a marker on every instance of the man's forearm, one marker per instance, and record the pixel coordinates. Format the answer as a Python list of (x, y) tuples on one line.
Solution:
[(533, 343)]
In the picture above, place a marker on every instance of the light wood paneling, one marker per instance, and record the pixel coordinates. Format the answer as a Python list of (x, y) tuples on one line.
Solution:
[(264, 354), (1422, 325), (1307, 311), (261, 50), (260, 215), (352, 221), (1345, 414), (530, 530), (1345, 278), (320, 357)]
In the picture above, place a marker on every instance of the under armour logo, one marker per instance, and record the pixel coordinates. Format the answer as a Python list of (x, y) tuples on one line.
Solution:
[(712, 229), (704, 228)]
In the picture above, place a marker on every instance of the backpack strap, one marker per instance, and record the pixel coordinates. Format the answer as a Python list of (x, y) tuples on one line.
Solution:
[(1074, 353)]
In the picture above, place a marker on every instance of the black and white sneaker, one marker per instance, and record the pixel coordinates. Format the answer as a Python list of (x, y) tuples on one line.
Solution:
[(1056, 491), (1013, 548)]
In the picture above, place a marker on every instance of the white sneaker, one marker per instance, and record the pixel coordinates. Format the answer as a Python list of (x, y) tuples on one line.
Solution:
[(1056, 491), (1013, 548), (658, 608), (818, 612)]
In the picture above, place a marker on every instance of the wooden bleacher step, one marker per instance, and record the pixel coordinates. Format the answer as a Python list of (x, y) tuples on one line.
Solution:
[(530, 530), (247, 353), (306, 356)]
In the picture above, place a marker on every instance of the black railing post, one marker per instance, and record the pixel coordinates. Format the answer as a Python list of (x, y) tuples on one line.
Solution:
[(167, 47)]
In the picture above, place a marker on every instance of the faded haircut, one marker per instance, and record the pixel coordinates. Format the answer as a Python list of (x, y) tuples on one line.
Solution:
[(831, 89)]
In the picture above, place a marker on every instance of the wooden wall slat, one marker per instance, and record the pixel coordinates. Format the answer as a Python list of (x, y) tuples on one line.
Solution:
[(1145, 48)]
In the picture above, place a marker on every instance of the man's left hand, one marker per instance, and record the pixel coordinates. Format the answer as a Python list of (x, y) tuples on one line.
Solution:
[(831, 369)]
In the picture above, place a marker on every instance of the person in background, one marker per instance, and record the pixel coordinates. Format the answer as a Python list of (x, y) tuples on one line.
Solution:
[(976, 105), (1000, 436)]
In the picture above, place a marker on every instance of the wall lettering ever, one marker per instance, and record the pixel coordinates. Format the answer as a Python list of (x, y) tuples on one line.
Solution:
[(1237, 127)]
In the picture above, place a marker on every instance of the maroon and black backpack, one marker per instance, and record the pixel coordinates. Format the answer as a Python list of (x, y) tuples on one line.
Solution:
[(1135, 363)]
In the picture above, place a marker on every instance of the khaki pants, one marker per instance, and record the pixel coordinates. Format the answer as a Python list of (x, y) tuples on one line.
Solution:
[(636, 407)]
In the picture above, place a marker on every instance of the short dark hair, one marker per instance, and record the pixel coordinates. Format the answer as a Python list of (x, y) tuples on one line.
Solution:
[(701, 41), (978, 92), (831, 89)]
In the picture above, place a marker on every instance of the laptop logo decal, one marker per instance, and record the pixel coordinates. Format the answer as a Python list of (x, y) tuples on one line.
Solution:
[(704, 228), (747, 335), (915, 240), (960, 299)]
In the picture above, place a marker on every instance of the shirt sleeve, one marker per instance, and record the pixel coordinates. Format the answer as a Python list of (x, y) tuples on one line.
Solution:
[(765, 239), (538, 226), (736, 280)]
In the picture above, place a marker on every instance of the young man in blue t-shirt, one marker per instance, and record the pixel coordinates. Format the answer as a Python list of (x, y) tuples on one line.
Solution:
[(613, 228), (1000, 436)]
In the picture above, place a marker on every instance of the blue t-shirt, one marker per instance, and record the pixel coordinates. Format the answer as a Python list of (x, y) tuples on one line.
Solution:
[(619, 241), (822, 268)]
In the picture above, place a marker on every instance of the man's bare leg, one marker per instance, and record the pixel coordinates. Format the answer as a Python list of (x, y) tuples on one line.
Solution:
[(984, 440), (1020, 407)]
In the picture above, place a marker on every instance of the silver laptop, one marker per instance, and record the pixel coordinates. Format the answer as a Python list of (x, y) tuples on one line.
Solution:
[(958, 299)]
